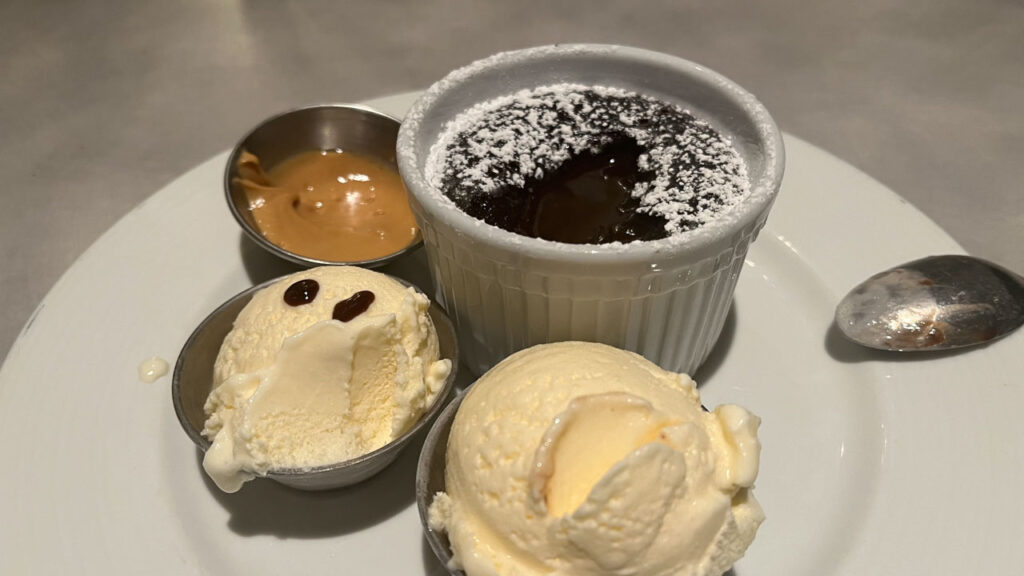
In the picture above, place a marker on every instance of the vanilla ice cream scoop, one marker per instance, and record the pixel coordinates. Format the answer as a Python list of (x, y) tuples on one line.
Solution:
[(320, 367), (582, 459)]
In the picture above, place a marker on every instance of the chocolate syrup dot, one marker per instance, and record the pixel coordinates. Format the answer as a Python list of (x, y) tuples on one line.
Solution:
[(302, 292), (353, 306)]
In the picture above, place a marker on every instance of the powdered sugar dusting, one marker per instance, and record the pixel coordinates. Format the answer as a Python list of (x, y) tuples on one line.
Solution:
[(695, 173)]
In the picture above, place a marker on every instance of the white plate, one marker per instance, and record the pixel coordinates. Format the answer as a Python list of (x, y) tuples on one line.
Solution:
[(871, 464)]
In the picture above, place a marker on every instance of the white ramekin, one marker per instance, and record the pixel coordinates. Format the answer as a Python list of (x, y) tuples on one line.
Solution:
[(665, 299)]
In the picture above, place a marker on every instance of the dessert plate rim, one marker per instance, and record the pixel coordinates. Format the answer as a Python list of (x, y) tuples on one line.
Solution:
[(101, 479)]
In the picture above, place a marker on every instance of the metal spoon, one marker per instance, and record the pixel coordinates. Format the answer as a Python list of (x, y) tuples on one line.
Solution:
[(936, 303)]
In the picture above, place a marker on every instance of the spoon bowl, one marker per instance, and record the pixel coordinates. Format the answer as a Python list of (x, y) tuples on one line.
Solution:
[(935, 303)]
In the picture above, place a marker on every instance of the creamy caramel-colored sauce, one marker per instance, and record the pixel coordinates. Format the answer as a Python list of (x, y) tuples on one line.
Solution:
[(330, 205)]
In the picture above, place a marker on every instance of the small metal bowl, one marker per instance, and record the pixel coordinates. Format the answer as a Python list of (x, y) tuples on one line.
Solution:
[(430, 480), (323, 127), (193, 380)]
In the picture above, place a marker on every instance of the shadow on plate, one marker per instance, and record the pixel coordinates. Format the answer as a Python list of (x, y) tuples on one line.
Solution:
[(431, 565), (841, 349), (261, 265), (413, 268), (263, 506), (720, 351)]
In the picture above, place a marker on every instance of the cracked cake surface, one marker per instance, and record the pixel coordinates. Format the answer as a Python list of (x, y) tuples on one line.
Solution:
[(586, 164)]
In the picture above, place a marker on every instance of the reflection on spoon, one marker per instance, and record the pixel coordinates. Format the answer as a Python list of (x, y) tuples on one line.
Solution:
[(936, 303)]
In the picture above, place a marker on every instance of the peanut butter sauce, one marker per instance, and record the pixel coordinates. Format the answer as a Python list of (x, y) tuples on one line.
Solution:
[(329, 205)]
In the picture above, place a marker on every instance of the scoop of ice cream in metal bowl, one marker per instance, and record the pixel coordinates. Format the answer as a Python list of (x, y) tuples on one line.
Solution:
[(194, 379), (581, 458), (320, 185)]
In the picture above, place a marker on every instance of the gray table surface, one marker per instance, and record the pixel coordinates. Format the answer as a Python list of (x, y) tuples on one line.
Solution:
[(103, 103)]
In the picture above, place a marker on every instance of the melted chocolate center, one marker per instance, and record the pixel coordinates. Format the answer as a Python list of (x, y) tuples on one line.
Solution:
[(586, 200)]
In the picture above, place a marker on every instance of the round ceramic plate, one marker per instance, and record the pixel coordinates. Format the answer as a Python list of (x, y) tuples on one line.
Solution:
[(872, 463)]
